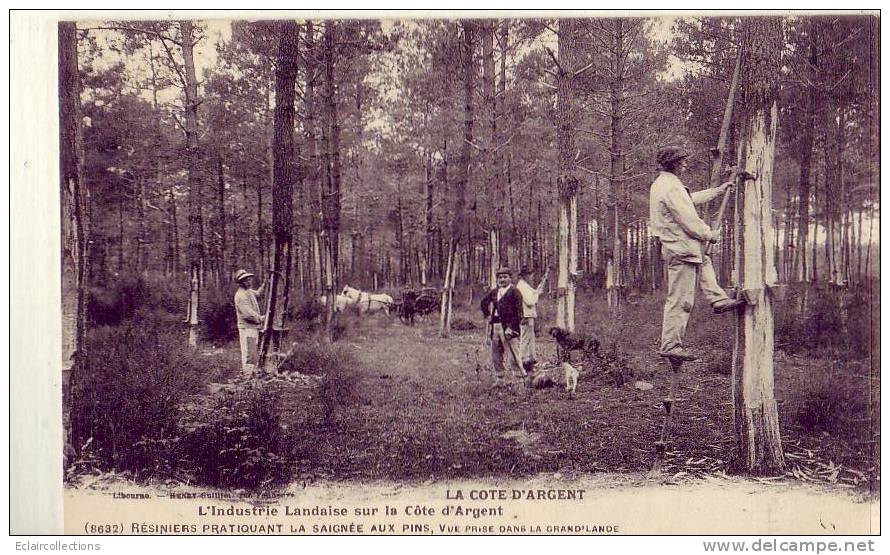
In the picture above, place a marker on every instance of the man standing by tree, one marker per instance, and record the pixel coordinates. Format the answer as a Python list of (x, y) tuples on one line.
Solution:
[(673, 219), (503, 308), (247, 311), (530, 296)]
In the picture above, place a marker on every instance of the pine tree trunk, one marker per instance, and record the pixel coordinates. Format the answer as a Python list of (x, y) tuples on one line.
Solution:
[(758, 441), (814, 254), (400, 232), (331, 195), (173, 232), (315, 189), (490, 173), (617, 190), (140, 239), (502, 167), (331, 31), (284, 178), (494, 261), (858, 245), (567, 181), (75, 233), (120, 235), (806, 162), (463, 174), (429, 238), (195, 237)]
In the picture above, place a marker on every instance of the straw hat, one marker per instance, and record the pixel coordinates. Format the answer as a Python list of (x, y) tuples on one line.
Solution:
[(241, 275)]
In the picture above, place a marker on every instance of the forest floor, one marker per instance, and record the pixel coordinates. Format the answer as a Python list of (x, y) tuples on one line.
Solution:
[(417, 407)]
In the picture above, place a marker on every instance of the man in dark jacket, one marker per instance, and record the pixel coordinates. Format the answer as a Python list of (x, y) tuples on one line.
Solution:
[(502, 306)]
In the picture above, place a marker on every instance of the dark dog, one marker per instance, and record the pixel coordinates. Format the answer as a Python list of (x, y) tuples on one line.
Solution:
[(567, 342)]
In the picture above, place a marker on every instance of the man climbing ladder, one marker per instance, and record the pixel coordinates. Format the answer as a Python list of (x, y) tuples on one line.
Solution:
[(673, 219)]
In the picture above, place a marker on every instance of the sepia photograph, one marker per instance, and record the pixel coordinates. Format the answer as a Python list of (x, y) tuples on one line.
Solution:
[(559, 273)]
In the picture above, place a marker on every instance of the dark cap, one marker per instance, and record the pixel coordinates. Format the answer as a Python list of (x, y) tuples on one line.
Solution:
[(670, 154), (503, 270)]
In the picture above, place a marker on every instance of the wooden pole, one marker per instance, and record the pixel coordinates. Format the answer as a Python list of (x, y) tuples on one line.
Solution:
[(669, 405), (717, 153)]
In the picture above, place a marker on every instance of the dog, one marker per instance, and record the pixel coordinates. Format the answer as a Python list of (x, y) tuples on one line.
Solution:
[(571, 378), (567, 342), (544, 379)]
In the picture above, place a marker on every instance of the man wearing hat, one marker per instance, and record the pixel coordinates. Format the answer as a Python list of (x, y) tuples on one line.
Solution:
[(503, 308), (530, 296), (247, 311), (673, 219)]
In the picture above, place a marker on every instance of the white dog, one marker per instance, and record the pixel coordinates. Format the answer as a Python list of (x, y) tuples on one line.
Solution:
[(571, 378)]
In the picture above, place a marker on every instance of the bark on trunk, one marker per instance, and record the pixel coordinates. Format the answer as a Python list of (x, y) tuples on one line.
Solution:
[(222, 263), (759, 445), (195, 238), (315, 189), (494, 259), (617, 188), (284, 178), (331, 195), (567, 181), (463, 173), (75, 237)]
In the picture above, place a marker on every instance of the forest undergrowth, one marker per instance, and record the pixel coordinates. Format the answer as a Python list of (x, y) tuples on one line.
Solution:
[(395, 402)]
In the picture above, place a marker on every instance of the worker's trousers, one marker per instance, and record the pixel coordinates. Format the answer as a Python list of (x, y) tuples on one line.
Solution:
[(501, 346), (527, 340), (249, 350), (682, 279)]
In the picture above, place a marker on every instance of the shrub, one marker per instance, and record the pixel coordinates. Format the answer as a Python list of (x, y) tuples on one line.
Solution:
[(462, 324), (833, 401), (860, 325), (238, 442), (102, 307), (833, 320), (169, 294), (316, 358), (126, 397), (307, 310), (337, 368), (612, 362), (111, 306), (217, 315)]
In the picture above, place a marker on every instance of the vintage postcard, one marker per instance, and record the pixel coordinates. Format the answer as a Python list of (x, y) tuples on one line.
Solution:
[(330, 273)]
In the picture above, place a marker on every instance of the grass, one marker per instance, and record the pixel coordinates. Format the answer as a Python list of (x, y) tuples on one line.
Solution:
[(397, 402), (421, 411)]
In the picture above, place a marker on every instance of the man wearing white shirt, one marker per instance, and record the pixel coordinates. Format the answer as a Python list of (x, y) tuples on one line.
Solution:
[(530, 296), (249, 318), (673, 219)]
